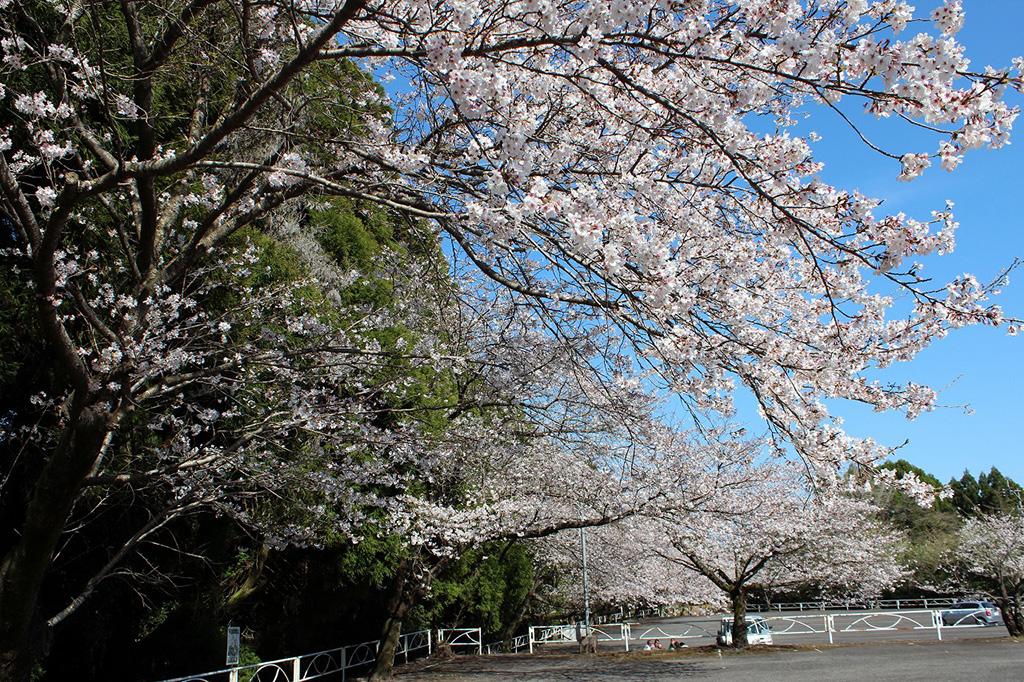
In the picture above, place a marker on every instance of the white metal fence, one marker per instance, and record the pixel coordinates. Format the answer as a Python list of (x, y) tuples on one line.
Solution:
[(565, 633), (337, 662), (317, 665), (837, 624), (670, 631), (462, 638), (623, 614), (508, 646), (856, 605), (412, 642), (829, 625)]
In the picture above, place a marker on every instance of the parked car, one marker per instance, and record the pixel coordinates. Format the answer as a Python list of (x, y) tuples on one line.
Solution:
[(758, 631), (972, 613)]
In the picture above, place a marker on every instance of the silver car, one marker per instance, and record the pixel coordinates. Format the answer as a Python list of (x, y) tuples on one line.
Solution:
[(972, 613)]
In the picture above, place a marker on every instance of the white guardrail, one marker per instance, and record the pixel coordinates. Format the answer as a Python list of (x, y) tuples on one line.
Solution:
[(621, 615), (462, 637), (336, 662), (508, 646), (830, 625), (565, 633), (855, 604), (318, 664), (520, 642), (875, 621)]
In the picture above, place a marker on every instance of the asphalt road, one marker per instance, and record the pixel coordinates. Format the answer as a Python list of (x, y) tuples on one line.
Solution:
[(1000, 659)]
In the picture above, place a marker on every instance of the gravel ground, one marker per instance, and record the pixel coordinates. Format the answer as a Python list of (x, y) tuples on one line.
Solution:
[(997, 658)]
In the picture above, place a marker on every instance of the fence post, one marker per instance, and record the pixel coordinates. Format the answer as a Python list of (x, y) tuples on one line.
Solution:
[(233, 675), (625, 634), (897, 604), (829, 627), (529, 636), (937, 621), (296, 669), (430, 645), (479, 642), (926, 602)]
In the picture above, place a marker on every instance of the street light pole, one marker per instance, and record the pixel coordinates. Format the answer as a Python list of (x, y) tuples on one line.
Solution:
[(586, 580)]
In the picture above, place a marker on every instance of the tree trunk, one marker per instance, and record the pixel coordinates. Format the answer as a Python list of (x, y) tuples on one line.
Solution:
[(519, 615), (23, 569), (1012, 616), (252, 583), (400, 600), (739, 617), (1009, 605)]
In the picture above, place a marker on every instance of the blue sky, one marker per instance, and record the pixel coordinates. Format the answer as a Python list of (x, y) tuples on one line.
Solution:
[(978, 367)]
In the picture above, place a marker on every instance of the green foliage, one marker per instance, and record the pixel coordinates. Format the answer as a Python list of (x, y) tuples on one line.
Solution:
[(247, 655), (156, 617), (485, 587), (902, 467), (373, 560), (989, 493), (334, 589), (353, 239), (932, 532), (355, 235), (333, 114)]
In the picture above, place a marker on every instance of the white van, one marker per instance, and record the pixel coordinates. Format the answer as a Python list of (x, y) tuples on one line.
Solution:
[(758, 631)]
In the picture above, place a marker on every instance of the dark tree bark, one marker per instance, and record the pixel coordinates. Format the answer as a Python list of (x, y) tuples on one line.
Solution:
[(1009, 605), (738, 596), (252, 583), (1015, 619), (400, 599), (24, 567)]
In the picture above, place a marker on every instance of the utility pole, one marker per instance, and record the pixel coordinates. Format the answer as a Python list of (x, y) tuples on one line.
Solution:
[(586, 580)]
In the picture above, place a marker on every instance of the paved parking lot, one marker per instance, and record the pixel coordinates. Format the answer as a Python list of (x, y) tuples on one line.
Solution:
[(979, 658)]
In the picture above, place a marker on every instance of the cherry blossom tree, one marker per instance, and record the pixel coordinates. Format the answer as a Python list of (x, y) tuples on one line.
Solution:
[(990, 551), (533, 487), (767, 534), (760, 529), (606, 162), (625, 567), (693, 477)]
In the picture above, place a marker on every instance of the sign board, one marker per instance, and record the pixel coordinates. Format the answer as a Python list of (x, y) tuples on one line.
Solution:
[(234, 645)]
